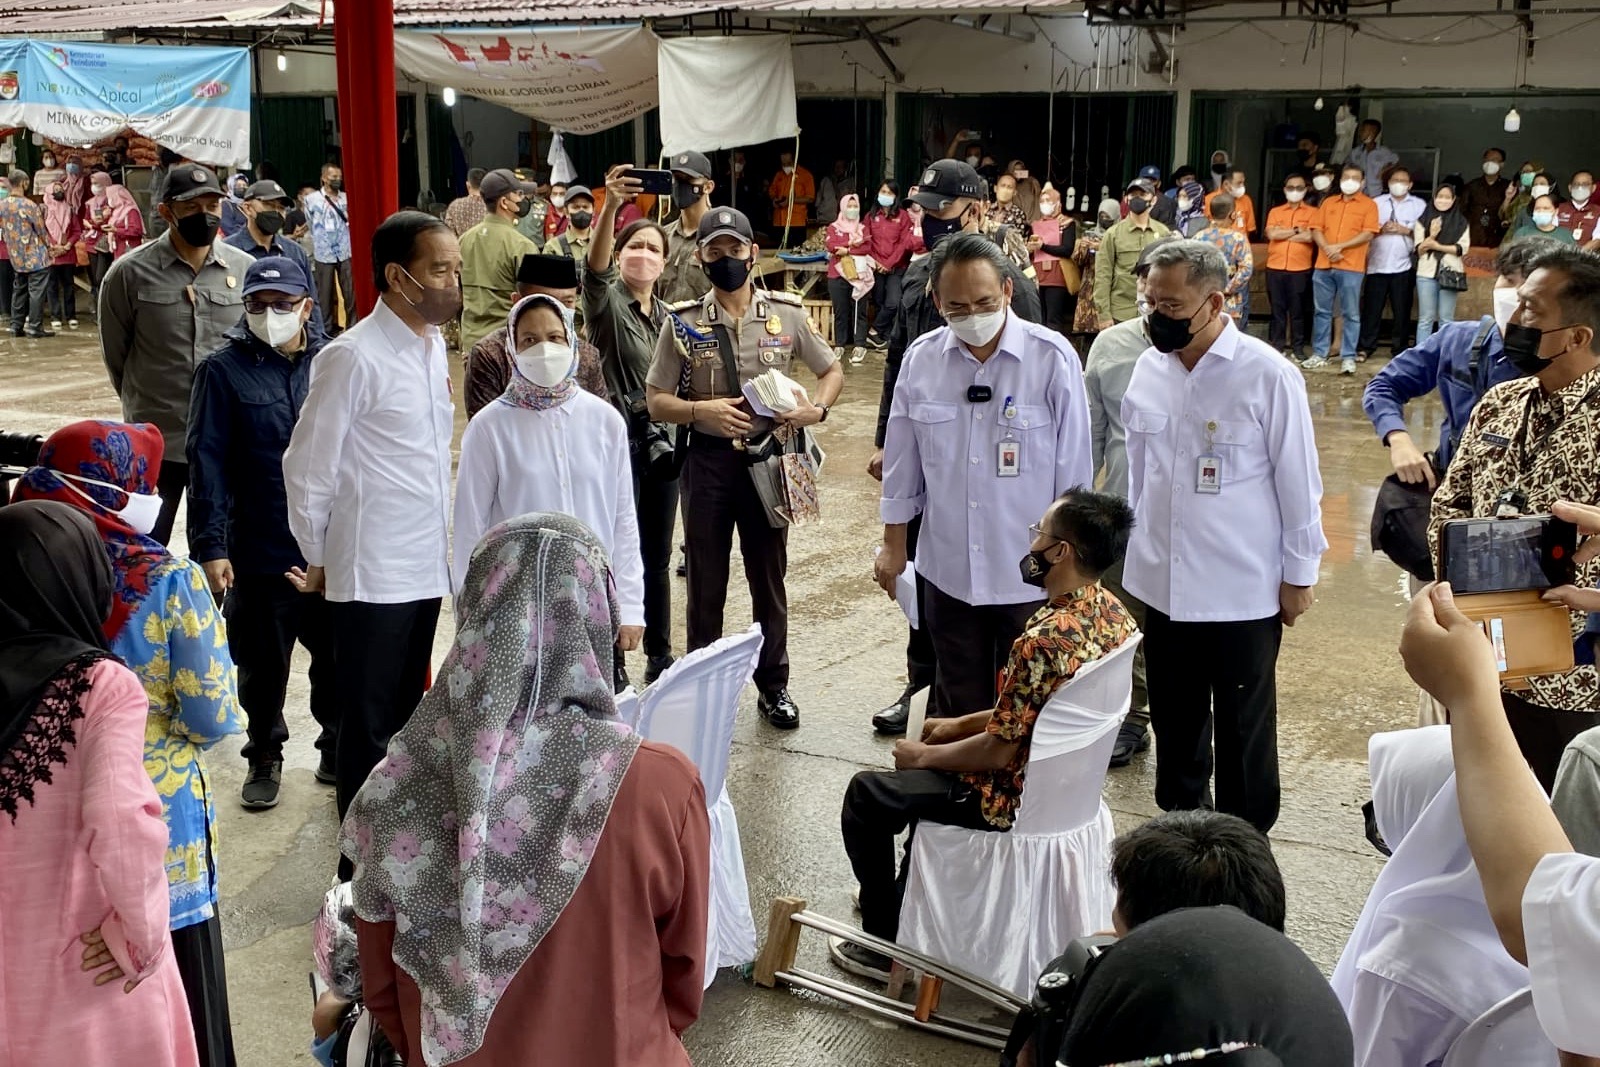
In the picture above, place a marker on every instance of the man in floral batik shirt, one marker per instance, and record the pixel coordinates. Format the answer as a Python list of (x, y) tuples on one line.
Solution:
[(1235, 247), (969, 771)]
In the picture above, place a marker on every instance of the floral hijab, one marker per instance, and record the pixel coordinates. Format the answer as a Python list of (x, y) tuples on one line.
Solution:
[(520, 392), (477, 828)]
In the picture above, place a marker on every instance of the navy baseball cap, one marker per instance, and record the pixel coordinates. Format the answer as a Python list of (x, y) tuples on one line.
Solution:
[(278, 274), (1151, 171)]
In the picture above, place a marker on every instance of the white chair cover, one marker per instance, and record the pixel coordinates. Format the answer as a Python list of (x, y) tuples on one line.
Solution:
[(1001, 906), (693, 706), (1506, 1034)]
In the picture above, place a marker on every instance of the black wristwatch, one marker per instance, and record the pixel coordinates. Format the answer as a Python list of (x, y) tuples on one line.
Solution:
[(824, 408)]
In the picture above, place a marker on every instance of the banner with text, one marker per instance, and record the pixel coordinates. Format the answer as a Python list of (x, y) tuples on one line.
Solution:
[(195, 101), (578, 80)]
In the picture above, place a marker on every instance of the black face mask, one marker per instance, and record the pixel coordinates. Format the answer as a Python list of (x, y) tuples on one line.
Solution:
[(728, 274), (336, 184), (1522, 348), (1035, 567), (58, 195), (935, 230), (1138, 205), (684, 195), (581, 220), (200, 229), (1219, 168), (269, 222), (1168, 334), (524, 207)]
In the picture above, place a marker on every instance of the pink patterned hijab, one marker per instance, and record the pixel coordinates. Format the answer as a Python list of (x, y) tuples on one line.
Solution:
[(477, 828)]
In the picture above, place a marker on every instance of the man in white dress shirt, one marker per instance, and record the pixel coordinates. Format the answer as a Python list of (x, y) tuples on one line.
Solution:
[(989, 424), (1228, 534), (368, 478)]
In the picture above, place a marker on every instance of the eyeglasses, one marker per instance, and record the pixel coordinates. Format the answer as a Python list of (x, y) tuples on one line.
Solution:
[(256, 307), (1038, 530), (982, 307)]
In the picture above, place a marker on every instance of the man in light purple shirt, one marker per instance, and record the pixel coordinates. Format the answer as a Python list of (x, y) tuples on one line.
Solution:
[(989, 424)]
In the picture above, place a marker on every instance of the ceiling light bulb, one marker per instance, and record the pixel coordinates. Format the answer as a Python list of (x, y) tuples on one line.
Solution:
[(1318, 104), (449, 97), (283, 62), (1513, 121)]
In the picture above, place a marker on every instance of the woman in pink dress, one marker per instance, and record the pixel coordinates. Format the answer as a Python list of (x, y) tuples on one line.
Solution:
[(89, 975)]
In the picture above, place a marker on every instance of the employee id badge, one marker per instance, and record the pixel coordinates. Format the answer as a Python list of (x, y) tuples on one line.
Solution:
[(1208, 475), (1008, 458)]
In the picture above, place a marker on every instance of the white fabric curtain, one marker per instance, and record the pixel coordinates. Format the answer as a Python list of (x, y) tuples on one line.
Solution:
[(697, 74)]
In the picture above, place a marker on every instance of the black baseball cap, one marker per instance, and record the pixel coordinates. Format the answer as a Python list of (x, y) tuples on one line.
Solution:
[(1142, 185), (724, 222), (575, 192), (502, 182), (691, 163), (186, 181), (266, 189), (946, 181)]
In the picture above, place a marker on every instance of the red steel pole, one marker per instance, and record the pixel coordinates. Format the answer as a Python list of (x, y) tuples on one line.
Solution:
[(363, 39)]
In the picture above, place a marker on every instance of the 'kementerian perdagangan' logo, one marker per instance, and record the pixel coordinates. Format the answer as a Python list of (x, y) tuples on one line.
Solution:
[(60, 58)]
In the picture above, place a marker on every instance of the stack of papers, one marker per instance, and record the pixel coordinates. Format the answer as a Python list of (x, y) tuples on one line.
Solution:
[(771, 393)]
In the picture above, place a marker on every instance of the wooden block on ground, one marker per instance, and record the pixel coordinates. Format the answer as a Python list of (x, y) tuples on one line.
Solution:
[(783, 941)]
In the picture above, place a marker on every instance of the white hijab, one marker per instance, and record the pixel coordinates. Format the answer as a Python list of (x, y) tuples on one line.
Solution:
[(1425, 925)]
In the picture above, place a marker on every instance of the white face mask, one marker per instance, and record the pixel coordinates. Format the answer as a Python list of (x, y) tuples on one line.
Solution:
[(545, 364), (558, 200), (1491, 168), (1021, 175), (973, 161), (1398, 190), (1184, 203), (276, 328), (788, 170), (1294, 196), (1540, 190), (1580, 193), (1047, 208), (1505, 305), (1350, 187), (1238, 191), (978, 330), (140, 513), (1321, 183)]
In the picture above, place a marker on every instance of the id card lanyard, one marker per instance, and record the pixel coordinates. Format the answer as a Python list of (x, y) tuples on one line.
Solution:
[(1208, 467), (1008, 453)]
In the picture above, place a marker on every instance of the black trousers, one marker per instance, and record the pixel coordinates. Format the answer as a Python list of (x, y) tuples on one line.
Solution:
[(656, 504), (63, 296), (719, 497), (1215, 681), (266, 616), (1059, 307), (197, 950), (28, 291), (849, 315), (1543, 733), (886, 298), (328, 300), (173, 481), (971, 644), (381, 653), (920, 660), (99, 263), (878, 805), (1289, 294), (1396, 290), (7, 276)]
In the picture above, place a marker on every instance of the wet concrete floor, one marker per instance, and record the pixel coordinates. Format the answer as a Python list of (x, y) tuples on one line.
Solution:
[(1339, 678)]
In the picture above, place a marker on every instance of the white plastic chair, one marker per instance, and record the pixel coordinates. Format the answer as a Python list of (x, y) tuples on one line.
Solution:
[(1507, 1035), (1002, 905), (692, 707)]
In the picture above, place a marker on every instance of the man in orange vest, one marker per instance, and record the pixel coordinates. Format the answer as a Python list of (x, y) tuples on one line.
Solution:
[(804, 187)]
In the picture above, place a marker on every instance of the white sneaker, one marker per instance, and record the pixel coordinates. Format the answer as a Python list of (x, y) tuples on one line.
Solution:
[(55, 324), (72, 323), (858, 356)]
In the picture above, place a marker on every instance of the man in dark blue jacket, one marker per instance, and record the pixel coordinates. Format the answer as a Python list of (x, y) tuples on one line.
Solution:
[(247, 395)]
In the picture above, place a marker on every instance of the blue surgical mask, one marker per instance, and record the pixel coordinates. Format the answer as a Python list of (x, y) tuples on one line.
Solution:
[(885, 200), (1543, 218)]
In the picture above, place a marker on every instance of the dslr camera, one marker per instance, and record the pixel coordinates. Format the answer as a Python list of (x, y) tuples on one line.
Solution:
[(18, 452), (651, 441)]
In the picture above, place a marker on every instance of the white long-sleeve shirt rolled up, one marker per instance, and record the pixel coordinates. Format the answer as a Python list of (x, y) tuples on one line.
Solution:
[(571, 459), (368, 467), (1223, 479), (1561, 925)]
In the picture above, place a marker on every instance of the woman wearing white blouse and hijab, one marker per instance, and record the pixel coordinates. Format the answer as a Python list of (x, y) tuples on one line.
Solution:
[(1425, 959), (546, 445)]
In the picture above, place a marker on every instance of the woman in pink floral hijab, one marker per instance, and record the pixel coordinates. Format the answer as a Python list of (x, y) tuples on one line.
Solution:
[(531, 877)]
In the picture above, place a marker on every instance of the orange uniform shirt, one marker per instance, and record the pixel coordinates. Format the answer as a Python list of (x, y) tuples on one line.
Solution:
[(805, 188), (1291, 255), (1340, 219)]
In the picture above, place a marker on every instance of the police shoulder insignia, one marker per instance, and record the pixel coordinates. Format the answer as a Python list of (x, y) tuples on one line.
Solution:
[(783, 296), (682, 305)]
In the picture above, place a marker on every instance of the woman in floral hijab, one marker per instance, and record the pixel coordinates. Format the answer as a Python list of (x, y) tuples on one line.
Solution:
[(531, 877)]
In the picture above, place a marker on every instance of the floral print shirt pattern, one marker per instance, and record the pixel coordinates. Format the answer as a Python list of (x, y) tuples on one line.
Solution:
[(22, 229), (1235, 247), (1062, 637)]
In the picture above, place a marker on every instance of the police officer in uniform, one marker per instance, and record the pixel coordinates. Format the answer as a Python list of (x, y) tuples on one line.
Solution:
[(707, 350), (951, 194)]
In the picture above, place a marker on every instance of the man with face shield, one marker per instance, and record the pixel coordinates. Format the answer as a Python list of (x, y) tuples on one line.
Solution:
[(683, 278), (265, 206), (247, 396), (1228, 536), (950, 196), (989, 424), (706, 351), (368, 478), (164, 307), (1531, 442)]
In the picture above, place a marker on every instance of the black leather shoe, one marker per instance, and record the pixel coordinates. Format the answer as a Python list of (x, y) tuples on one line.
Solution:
[(41, 332), (326, 772), (779, 709), (655, 666), (1131, 740), (891, 721)]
